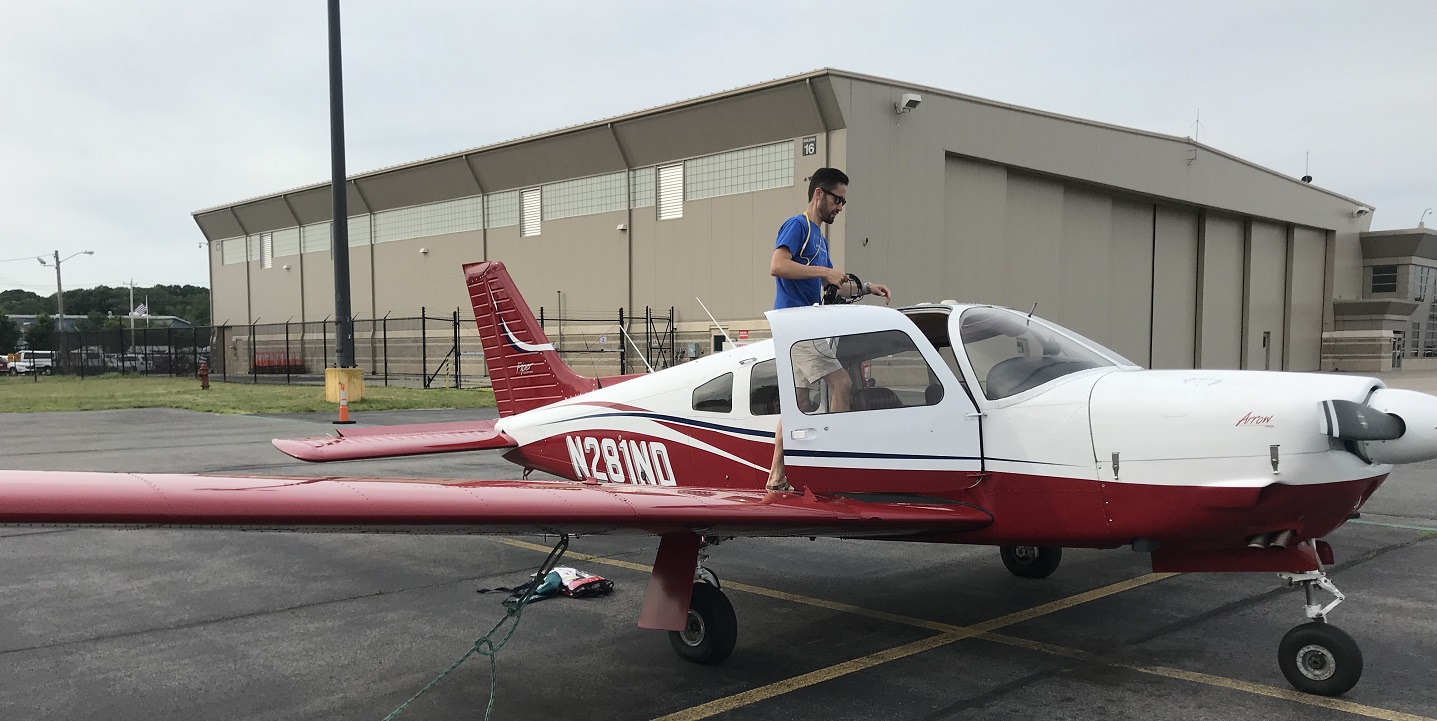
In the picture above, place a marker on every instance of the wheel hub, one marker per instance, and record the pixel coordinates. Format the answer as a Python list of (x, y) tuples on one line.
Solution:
[(1316, 662), (693, 633), (1025, 554)]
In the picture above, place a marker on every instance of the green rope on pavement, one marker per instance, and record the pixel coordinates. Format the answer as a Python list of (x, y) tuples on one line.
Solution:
[(485, 645)]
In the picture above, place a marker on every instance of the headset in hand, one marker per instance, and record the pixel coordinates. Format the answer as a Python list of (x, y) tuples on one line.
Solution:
[(832, 296)]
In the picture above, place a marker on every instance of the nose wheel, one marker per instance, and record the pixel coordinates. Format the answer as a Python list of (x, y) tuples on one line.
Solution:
[(1031, 561), (1317, 657)]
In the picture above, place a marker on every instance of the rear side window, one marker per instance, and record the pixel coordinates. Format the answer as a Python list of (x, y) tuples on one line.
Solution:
[(715, 396), (763, 389)]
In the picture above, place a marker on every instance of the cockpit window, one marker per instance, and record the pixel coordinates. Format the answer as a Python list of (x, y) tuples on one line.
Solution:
[(716, 396), (1011, 352)]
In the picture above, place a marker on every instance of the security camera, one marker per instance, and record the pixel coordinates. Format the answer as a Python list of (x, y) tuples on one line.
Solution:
[(1360, 211), (908, 102)]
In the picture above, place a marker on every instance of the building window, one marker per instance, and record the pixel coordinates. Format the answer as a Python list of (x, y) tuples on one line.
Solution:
[(286, 242), (1421, 279), (1429, 347), (671, 191), (641, 187), (739, 171), (501, 210), (266, 250), (232, 250), (358, 230), (1384, 279), (530, 212), (315, 238), (585, 196), (421, 221), (1414, 341)]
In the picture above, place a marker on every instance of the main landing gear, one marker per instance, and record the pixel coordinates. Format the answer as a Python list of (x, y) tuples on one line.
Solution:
[(712, 629), (1031, 561), (1317, 657)]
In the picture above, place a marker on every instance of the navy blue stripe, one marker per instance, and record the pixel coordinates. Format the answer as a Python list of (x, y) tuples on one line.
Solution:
[(898, 456), (674, 419)]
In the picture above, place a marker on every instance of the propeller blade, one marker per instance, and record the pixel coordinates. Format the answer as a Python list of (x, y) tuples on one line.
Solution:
[(1360, 422)]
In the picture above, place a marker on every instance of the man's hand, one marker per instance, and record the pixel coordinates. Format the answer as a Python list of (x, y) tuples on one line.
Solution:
[(881, 289), (834, 276)]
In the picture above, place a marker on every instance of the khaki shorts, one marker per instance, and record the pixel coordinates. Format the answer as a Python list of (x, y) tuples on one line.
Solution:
[(814, 359)]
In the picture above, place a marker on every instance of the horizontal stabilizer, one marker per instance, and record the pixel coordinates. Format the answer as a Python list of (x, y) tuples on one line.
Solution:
[(412, 505), (1359, 422), (389, 441)]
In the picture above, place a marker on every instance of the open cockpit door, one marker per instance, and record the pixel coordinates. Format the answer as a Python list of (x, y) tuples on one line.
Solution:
[(869, 405)]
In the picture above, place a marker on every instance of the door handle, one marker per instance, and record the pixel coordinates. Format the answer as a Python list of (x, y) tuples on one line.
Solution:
[(802, 434)]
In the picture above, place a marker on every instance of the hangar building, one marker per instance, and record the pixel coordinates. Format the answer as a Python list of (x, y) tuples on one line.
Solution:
[(1171, 252)]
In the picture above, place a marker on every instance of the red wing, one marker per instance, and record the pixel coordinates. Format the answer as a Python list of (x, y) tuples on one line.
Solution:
[(389, 441), (348, 505)]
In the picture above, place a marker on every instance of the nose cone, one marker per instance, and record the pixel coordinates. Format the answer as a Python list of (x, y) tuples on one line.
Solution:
[(1418, 441)]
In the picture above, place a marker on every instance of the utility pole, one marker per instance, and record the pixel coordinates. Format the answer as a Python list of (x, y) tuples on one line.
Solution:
[(60, 301), (344, 334)]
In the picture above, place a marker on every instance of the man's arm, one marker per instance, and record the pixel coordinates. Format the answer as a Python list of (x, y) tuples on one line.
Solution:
[(782, 265)]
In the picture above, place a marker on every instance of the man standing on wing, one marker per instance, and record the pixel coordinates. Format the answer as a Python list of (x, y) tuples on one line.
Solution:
[(801, 267)]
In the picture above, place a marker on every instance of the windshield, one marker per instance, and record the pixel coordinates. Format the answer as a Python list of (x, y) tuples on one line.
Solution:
[(1011, 352)]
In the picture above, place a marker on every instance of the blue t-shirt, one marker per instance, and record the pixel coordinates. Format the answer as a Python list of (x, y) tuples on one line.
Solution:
[(805, 242)]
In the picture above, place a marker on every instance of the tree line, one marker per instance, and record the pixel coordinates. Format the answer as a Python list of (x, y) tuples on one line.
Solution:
[(96, 309), (189, 302)]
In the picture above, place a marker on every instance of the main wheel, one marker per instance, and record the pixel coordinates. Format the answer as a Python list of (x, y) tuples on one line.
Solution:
[(1320, 658), (712, 628), (1031, 561)]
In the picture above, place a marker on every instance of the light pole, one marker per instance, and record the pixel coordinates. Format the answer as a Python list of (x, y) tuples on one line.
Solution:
[(60, 298)]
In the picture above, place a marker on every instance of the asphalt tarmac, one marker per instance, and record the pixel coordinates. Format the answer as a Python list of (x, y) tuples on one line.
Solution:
[(231, 625)]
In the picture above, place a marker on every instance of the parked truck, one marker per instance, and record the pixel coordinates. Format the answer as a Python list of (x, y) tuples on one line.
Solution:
[(32, 361)]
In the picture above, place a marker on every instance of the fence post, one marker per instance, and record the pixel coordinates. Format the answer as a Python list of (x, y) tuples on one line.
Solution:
[(386, 348), (287, 363), (423, 349), (623, 344), (253, 371), (456, 348)]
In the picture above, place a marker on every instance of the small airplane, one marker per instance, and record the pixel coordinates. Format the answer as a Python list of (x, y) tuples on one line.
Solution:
[(965, 423)]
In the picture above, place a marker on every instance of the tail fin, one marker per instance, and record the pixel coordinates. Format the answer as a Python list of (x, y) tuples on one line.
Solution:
[(523, 365)]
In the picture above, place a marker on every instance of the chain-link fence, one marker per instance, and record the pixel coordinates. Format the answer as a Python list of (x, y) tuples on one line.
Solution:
[(424, 351)]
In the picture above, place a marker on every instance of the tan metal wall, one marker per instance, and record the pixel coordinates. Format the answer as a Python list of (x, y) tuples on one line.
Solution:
[(407, 280)]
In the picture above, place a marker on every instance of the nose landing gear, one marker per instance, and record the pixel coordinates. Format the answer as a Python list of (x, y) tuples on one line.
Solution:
[(1317, 657)]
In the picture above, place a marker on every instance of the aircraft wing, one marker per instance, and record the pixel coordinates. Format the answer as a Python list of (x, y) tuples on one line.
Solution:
[(388, 441), (394, 505)]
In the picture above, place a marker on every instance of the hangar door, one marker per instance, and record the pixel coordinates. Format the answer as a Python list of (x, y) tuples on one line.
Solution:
[(1266, 296), (1307, 290), (1083, 256)]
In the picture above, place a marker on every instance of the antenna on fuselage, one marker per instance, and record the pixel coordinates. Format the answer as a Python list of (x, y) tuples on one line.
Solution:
[(715, 320), (636, 348), (1030, 314)]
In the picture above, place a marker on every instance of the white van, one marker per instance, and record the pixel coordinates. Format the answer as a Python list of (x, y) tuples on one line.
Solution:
[(33, 361)]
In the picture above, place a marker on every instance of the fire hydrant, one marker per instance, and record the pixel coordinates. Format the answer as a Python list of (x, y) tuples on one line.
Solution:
[(204, 374)]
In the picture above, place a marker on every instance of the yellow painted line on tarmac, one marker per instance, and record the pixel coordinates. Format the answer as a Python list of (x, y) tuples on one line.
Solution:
[(949, 633), (1286, 694)]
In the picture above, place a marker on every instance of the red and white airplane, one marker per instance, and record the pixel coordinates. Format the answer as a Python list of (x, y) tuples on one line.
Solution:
[(966, 424)]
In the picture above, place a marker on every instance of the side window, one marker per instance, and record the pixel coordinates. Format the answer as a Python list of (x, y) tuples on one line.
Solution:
[(883, 370), (763, 389), (716, 396)]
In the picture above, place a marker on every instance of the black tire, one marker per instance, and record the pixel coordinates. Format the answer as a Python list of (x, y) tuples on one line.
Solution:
[(1031, 561), (712, 628), (1319, 658)]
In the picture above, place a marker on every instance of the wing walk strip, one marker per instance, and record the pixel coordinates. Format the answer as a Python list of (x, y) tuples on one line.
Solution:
[(949, 633)]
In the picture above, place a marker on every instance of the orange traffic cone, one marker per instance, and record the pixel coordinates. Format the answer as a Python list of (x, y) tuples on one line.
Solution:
[(343, 407)]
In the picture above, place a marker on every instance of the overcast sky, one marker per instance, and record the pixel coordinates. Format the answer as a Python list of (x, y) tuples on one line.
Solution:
[(121, 119)]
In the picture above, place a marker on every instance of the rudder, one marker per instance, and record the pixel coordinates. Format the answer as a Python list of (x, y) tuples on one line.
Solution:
[(524, 367)]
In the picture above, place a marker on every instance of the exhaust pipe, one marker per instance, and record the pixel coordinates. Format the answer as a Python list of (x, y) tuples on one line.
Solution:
[(1275, 539)]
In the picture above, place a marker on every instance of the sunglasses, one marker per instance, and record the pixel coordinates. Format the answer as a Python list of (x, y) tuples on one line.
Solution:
[(842, 201)]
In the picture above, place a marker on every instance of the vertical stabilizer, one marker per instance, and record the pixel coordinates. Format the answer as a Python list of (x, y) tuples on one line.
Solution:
[(523, 365)]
